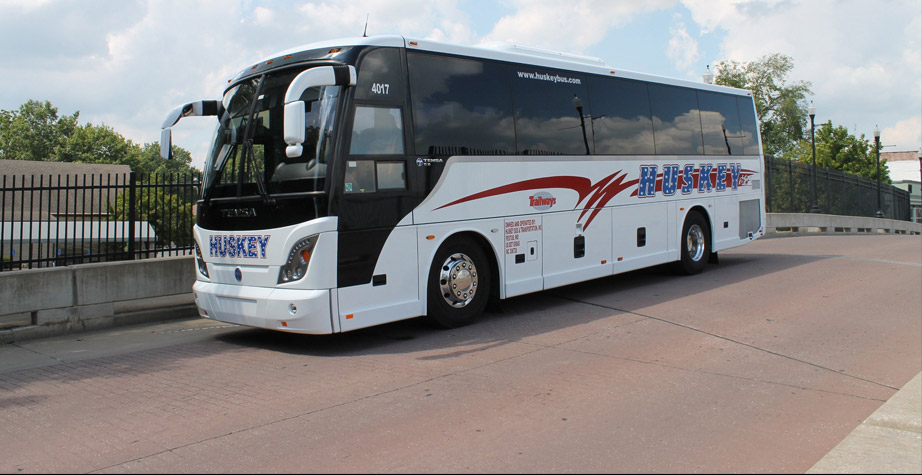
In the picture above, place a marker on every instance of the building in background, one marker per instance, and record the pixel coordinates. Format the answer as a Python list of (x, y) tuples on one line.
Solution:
[(906, 173)]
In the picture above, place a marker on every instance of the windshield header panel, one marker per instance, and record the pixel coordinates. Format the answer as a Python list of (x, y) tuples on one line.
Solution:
[(313, 57)]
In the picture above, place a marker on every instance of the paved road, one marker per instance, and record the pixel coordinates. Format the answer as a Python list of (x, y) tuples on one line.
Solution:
[(761, 364)]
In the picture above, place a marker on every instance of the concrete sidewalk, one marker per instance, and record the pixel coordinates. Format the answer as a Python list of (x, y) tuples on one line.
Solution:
[(888, 441)]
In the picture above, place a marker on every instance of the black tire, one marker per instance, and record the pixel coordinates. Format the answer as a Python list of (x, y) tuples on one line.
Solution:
[(461, 266), (695, 244)]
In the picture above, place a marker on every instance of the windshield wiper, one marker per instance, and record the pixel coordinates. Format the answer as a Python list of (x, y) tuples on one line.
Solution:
[(249, 154), (260, 181)]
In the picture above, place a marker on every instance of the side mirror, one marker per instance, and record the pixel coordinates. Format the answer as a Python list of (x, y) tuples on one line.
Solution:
[(339, 75), (294, 128), (166, 144)]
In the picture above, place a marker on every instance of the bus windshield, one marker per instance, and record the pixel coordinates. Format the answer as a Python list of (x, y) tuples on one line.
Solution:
[(248, 157)]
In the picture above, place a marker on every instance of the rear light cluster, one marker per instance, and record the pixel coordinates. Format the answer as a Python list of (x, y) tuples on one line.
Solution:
[(202, 268), (298, 259)]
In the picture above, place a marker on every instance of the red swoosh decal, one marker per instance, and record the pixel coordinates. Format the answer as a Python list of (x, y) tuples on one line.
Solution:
[(602, 192)]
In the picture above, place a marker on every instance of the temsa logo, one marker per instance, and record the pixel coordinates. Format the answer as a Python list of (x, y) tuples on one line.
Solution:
[(542, 200)]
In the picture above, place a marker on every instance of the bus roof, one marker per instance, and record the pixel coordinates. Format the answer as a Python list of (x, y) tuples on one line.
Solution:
[(510, 52)]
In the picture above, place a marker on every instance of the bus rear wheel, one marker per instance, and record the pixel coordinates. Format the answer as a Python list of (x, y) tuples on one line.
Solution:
[(695, 244), (459, 284)]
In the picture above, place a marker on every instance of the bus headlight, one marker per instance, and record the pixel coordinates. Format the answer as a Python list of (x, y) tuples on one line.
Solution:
[(202, 268), (298, 259)]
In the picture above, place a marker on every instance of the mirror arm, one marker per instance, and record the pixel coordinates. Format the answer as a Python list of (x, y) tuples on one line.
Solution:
[(198, 108)]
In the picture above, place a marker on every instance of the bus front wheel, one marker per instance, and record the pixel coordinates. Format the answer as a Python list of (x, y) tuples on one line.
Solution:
[(695, 244), (459, 284)]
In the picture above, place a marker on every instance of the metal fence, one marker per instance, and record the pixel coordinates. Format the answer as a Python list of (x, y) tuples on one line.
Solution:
[(788, 191), (56, 220)]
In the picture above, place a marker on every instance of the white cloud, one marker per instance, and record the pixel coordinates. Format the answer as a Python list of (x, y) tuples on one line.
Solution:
[(567, 26), (682, 49), (907, 132), (863, 58)]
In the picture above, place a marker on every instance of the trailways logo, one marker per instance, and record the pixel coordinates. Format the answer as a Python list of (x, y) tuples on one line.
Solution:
[(594, 197)]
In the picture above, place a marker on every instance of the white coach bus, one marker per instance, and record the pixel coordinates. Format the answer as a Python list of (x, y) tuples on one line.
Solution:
[(368, 180)]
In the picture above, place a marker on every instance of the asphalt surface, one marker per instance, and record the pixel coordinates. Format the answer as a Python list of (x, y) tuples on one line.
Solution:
[(792, 355)]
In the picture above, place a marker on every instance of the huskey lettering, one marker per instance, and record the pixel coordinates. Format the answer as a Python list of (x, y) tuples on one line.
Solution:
[(705, 178), (238, 246)]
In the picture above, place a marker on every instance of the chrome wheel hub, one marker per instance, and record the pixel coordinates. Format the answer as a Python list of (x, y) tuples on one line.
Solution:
[(458, 280), (694, 243)]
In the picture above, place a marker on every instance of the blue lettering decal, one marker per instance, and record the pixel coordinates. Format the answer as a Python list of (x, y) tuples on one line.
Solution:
[(231, 246), (735, 173), (242, 246), (263, 243), (687, 180), (704, 178), (647, 186), (222, 245), (721, 177), (251, 247), (213, 245), (670, 179)]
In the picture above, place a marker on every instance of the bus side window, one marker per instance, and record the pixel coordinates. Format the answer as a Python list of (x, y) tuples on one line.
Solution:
[(391, 175), (377, 131), (360, 176)]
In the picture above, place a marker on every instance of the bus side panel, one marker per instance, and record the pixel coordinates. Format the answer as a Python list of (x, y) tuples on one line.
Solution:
[(393, 292), (524, 263), (573, 254), (726, 225), (640, 236)]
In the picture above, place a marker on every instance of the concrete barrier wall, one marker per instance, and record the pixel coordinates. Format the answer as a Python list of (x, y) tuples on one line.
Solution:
[(798, 224), (50, 301)]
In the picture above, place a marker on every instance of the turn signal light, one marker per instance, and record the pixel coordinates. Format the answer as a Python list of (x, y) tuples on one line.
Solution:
[(298, 259)]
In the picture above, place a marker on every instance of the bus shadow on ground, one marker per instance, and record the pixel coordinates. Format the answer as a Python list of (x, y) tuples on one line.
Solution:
[(525, 316)]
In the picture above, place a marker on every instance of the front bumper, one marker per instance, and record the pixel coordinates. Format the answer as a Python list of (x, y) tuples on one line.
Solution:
[(299, 311)]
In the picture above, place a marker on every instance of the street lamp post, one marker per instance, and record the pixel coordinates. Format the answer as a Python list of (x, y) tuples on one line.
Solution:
[(814, 208), (879, 214), (578, 104)]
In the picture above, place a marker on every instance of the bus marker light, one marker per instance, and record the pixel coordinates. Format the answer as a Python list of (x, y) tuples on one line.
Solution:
[(430, 237), (349, 317), (604, 261), (414, 43), (284, 324), (620, 259)]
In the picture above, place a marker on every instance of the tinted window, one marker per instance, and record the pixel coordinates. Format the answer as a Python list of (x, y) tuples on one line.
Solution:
[(360, 176), (380, 77), (676, 122), (460, 106), (748, 125), (621, 117), (377, 131), (720, 124), (548, 105), (391, 175)]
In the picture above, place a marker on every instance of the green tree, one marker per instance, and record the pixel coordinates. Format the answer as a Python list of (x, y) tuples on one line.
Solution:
[(837, 149), (169, 215), (34, 132), (98, 144), (151, 161), (780, 104)]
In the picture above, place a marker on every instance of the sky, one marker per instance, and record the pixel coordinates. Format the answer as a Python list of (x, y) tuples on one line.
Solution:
[(127, 63)]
